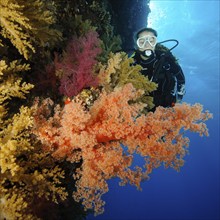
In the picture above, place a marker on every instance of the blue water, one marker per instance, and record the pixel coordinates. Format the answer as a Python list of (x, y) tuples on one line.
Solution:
[(194, 192)]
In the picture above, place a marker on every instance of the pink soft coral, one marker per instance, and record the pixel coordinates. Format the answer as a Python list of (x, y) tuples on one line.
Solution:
[(97, 137), (77, 64)]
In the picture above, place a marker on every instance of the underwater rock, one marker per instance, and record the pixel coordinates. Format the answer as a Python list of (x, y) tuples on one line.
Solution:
[(128, 17)]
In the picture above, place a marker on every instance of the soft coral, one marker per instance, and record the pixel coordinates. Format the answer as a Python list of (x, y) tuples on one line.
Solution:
[(78, 63)]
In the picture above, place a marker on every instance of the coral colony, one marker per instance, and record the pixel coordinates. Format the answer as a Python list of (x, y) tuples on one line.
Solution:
[(74, 112)]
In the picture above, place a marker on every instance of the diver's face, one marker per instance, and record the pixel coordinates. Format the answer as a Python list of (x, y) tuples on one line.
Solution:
[(146, 41)]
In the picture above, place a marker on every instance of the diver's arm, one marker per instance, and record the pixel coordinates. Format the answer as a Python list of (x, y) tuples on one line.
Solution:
[(180, 84)]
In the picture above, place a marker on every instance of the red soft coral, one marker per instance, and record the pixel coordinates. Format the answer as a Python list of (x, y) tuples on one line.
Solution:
[(97, 137), (77, 64)]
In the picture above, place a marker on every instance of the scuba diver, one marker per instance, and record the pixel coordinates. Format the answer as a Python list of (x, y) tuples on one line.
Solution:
[(161, 67)]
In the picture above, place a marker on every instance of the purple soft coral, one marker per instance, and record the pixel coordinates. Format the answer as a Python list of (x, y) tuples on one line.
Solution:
[(78, 63)]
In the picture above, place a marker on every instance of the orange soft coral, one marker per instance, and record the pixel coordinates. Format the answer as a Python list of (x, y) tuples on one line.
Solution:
[(97, 137)]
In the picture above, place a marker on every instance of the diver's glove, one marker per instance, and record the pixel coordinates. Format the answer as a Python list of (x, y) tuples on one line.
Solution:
[(179, 98), (180, 93)]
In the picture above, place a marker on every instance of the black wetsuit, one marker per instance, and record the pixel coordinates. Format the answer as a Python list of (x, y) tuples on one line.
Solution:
[(163, 69)]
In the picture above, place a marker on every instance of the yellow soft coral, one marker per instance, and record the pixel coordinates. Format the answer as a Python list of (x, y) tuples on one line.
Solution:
[(11, 84), (25, 171), (23, 194), (11, 20), (12, 205), (13, 139), (27, 175), (26, 24), (120, 71)]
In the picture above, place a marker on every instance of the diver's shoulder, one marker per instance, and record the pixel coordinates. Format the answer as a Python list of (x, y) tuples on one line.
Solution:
[(166, 54)]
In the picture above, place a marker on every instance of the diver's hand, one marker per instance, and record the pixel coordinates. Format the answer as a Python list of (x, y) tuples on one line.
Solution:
[(179, 98)]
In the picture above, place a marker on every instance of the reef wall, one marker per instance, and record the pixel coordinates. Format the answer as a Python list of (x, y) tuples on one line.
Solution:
[(74, 111), (128, 17)]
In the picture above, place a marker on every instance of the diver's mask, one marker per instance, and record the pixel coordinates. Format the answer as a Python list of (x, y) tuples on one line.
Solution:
[(142, 42), (148, 43)]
